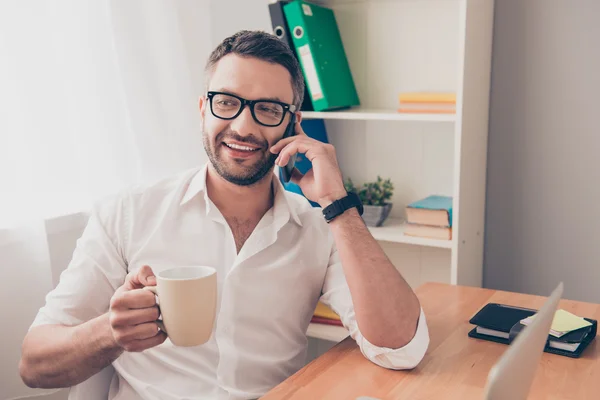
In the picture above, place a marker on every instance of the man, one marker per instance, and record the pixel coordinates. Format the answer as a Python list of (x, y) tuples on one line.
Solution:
[(275, 256)]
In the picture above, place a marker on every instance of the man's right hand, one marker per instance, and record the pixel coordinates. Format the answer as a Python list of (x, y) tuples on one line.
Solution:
[(133, 313)]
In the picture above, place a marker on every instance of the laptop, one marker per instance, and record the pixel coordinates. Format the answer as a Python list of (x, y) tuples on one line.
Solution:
[(511, 377)]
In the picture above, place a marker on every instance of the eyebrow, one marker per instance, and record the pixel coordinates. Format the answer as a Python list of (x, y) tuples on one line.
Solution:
[(262, 98)]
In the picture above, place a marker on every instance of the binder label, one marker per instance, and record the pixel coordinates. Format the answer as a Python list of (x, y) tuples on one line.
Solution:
[(310, 72), (307, 10)]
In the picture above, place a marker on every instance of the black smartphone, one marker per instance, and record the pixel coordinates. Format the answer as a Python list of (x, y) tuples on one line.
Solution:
[(286, 170)]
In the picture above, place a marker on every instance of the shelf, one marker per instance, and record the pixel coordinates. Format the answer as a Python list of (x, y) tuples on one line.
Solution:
[(333, 3), (377, 115), (393, 231), (333, 333)]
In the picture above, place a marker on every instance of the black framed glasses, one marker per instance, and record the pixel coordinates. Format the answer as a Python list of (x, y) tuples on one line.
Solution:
[(265, 112)]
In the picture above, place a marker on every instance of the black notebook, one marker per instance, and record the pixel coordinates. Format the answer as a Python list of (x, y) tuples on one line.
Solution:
[(501, 323)]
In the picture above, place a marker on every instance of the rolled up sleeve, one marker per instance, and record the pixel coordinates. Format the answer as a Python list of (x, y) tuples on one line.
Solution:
[(336, 295)]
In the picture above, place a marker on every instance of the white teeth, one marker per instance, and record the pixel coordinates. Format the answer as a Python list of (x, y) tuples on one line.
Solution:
[(238, 147)]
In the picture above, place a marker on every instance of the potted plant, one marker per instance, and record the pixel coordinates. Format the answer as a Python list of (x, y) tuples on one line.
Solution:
[(375, 198)]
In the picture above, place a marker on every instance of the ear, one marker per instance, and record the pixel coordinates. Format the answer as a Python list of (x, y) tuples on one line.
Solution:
[(298, 116), (202, 103)]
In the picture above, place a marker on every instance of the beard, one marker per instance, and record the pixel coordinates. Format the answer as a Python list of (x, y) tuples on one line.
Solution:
[(233, 170)]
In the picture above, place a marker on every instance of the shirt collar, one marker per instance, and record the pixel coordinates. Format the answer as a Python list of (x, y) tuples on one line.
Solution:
[(282, 205), (196, 186)]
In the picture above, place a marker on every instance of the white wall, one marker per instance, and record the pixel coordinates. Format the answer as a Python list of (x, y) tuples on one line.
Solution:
[(163, 48), (25, 278), (543, 217)]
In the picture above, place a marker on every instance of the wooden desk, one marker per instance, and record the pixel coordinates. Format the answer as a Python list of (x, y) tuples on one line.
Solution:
[(455, 366)]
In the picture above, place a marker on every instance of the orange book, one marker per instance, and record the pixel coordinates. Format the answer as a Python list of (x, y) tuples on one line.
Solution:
[(433, 210), (433, 108), (325, 312), (425, 110), (427, 97)]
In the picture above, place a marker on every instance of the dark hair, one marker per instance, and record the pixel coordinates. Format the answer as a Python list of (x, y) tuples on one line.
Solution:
[(264, 46)]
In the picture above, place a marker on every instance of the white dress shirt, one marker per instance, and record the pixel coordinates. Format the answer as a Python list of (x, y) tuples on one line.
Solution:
[(266, 294)]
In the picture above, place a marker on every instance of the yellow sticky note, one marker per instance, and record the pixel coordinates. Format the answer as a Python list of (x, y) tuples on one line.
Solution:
[(564, 321)]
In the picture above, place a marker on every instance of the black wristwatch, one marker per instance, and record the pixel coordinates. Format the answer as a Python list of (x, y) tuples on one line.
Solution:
[(340, 206)]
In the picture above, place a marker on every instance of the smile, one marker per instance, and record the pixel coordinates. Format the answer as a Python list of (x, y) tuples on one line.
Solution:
[(240, 147)]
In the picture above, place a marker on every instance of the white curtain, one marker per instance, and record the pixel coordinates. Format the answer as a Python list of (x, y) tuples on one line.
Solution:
[(95, 95)]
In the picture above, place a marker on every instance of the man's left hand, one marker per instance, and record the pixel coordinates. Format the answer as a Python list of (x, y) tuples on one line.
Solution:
[(323, 183)]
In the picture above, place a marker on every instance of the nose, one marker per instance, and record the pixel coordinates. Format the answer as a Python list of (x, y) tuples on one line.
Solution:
[(244, 124)]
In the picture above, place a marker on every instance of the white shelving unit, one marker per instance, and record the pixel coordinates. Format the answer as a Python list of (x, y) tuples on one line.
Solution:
[(396, 46), (377, 115), (393, 231)]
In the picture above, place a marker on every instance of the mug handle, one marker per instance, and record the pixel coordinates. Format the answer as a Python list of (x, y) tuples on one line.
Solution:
[(160, 324)]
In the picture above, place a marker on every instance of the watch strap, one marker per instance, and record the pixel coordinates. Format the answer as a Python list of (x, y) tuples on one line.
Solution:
[(341, 205)]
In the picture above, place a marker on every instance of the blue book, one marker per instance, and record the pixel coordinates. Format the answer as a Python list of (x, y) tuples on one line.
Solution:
[(433, 211), (314, 128)]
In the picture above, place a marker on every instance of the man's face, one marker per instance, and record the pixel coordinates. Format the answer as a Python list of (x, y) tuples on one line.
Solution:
[(252, 79)]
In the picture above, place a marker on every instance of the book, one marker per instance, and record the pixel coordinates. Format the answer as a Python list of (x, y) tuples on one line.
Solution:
[(492, 332), (500, 317), (569, 342), (427, 97), (552, 343), (324, 311), (563, 323), (428, 103), (433, 210), (326, 321), (502, 324), (427, 231), (564, 346), (323, 314), (426, 109)]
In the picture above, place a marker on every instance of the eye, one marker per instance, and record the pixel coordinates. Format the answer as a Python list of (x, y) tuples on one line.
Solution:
[(273, 110), (225, 102)]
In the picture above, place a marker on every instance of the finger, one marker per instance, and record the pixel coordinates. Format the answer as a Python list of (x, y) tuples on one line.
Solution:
[(145, 344), (128, 334), (299, 133), (133, 299), (140, 278), (145, 276), (134, 317), (298, 146), (276, 148)]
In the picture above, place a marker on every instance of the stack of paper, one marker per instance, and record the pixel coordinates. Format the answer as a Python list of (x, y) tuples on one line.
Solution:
[(563, 323)]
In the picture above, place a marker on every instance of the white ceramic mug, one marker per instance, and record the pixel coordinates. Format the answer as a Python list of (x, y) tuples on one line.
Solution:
[(187, 298)]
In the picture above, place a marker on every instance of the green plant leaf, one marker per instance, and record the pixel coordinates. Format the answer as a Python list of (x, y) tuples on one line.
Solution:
[(376, 193)]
